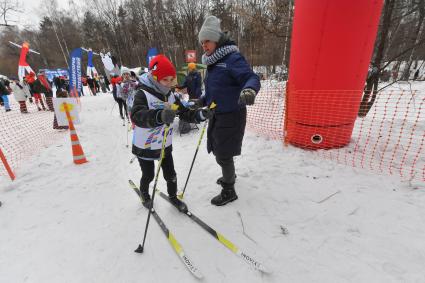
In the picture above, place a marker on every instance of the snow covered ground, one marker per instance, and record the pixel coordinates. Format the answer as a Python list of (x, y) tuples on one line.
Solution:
[(308, 220)]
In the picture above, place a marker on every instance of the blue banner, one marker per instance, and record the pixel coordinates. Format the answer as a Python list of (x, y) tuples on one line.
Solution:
[(75, 71), (152, 52), (51, 73), (90, 58)]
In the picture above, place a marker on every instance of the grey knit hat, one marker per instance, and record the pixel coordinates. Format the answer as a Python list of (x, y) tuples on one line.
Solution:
[(210, 30)]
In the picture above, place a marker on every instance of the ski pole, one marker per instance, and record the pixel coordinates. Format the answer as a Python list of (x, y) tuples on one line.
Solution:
[(113, 106), (212, 106), (164, 140), (126, 130)]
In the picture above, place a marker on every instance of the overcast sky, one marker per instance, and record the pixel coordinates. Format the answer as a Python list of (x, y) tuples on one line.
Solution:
[(33, 11)]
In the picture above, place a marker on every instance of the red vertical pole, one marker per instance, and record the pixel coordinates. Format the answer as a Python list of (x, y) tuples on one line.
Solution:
[(6, 165)]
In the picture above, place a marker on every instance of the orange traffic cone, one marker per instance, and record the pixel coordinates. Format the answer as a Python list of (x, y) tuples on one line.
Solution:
[(77, 150)]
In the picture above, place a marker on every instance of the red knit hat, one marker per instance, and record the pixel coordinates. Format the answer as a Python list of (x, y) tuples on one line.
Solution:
[(161, 67)]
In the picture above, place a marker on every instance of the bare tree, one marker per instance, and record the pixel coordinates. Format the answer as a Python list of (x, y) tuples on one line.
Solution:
[(8, 8), (261, 29)]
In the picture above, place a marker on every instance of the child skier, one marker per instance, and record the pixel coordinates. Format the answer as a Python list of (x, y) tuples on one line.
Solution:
[(151, 113)]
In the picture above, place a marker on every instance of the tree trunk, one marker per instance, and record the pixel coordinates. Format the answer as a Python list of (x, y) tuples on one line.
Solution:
[(371, 89), (415, 39)]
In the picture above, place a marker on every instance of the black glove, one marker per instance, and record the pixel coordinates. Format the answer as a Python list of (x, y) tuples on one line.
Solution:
[(247, 96), (197, 103), (205, 113), (167, 116)]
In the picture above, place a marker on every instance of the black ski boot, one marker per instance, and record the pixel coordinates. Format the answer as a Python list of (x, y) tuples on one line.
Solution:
[(220, 180), (181, 206), (227, 195), (172, 195), (146, 198)]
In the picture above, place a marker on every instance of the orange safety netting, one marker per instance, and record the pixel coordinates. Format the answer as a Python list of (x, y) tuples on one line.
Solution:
[(266, 115), (389, 139), (23, 135)]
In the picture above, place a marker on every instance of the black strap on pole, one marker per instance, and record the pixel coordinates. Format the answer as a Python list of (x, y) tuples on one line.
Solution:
[(194, 157), (212, 106)]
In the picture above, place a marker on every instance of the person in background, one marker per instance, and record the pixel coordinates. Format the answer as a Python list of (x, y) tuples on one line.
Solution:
[(121, 95), (91, 82), (114, 81), (107, 83), (4, 93), (192, 82), (35, 91), (46, 88), (21, 93), (96, 83)]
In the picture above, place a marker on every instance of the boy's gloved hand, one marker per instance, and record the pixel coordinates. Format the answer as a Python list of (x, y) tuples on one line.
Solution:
[(167, 116), (247, 96)]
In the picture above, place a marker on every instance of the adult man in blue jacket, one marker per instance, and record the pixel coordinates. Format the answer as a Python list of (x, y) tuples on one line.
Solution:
[(232, 85)]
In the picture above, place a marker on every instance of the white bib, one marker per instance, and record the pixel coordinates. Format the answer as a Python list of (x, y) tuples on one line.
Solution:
[(151, 138)]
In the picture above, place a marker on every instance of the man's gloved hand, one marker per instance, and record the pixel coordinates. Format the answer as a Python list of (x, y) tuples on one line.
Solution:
[(167, 116), (247, 96), (205, 113)]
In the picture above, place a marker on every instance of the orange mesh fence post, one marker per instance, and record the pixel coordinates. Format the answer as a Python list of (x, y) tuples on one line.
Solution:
[(266, 115), (77, 150), (285, 122), (6, 165)]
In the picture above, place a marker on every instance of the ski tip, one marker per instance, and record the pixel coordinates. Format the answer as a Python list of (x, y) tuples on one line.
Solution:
[(139, 249), (265, 270), (198, 275)]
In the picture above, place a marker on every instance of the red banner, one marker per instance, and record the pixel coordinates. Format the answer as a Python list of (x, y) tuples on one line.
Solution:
[(190, 56)]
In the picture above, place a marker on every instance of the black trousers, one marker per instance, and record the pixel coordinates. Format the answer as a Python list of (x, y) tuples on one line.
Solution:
[(121, 105), (148, 174), (227, 169)]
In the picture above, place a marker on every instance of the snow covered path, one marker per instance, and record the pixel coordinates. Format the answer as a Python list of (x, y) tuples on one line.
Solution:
[(65, 223)]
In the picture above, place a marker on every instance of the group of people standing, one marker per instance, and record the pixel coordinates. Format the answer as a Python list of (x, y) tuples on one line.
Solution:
[(152, 104), (37, 89), (95, 84), (31, 88), (230, 84)]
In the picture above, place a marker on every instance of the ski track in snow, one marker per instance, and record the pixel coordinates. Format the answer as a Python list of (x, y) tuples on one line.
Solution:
[(65, 223)]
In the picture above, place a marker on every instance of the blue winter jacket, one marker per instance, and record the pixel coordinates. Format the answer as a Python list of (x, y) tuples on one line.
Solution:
[(226, 79)]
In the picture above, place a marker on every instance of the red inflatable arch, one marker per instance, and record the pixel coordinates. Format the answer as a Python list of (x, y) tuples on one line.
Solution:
[(331, 47)]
